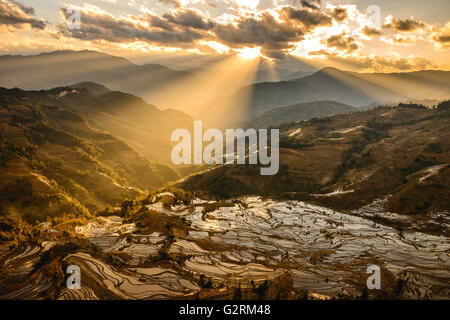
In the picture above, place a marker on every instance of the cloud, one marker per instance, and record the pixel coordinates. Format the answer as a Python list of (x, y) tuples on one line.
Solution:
[(274, 54), (265, 31), (272, 30), (342, 42), (27, 10), (311, 4), (175, 3), (189, 18), (100, 25), (371, 32), (383, 64), (279, 31), (403, 40), (339, 14), (321, 52), (406, 31), (404, 64), (14, 15), (441, 37), (406, 25), (308, 19)]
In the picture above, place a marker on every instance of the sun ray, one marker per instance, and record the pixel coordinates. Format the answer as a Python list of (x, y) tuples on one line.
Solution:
[(209, 89)]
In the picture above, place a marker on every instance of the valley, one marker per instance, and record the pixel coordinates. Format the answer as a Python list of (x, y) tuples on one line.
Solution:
[(348, 161), (358, 90), (88, 180), (60, 151), (225, 158)]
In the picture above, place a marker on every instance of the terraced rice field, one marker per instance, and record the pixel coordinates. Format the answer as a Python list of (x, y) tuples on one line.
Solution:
[(324, 251)]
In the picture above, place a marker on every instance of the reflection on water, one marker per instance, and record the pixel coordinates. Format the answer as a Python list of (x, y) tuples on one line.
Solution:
[(324, 251)]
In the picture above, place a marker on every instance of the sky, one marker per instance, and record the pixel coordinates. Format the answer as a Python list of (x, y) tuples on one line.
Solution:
[(364, 36)]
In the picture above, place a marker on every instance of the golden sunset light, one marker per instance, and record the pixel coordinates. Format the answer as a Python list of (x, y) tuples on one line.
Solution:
[(249, 53), (224, 159)]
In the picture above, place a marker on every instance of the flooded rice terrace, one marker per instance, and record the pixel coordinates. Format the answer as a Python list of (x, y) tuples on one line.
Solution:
[(323, 251)]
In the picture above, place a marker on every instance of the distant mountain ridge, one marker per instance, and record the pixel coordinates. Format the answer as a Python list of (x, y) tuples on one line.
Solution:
[(346, 161), (142, 125), (93, 87), (64, 68), (300, 111), (350, 88), (54, 162), (298, 75)]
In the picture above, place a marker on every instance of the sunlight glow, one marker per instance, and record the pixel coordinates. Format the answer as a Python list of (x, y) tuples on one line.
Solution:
[(249, 53), (218, 47), (198, 95)]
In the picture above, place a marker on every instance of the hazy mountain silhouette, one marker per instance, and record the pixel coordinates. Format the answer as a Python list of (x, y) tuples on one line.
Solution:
[(298, 75), (350, 88), (93, 87), (346, 161), (298, 112), (63, 68), (142, 125), (57, 155)]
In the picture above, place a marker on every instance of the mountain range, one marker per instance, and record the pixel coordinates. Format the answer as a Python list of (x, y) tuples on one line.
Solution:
[(68, 149), (350, 88), (361, 90), (347, 161), (87, 180), (64, 68), (298, 112)]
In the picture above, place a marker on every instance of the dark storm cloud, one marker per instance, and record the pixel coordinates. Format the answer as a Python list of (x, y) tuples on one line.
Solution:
[(16, 15), (342, 42), (406, 25)]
